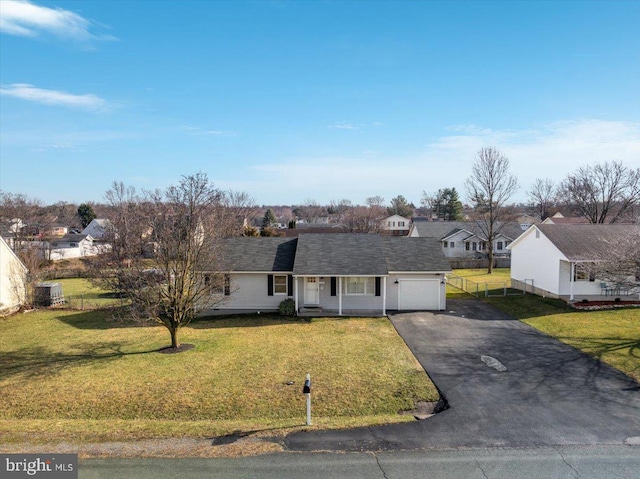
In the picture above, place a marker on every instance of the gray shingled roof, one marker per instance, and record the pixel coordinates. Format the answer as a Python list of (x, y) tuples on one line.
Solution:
[(414, 254), (589, 242), (72, 237), (340, 254), (442, 229), (258, 254)]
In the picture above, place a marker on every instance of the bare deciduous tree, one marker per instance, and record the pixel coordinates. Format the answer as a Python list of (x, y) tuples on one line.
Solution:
[(621, 268), (603, 193), (375, 201), (489, 188), (310, 211), (180, 227), (236, 212), (364, 219), (543, 196)]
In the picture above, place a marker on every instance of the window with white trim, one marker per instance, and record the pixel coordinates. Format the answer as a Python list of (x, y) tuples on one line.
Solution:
[(280, 284), (359, 286), (452, 244), (446, 244), (499, 247)]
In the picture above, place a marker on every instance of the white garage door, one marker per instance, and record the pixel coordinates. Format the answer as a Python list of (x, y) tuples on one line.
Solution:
[(418, 294)]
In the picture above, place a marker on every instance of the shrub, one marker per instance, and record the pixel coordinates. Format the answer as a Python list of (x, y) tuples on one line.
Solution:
[(287, 307)]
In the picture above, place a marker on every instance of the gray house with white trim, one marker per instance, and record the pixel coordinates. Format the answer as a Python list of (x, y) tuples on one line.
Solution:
[(340, 273), (466, 239)]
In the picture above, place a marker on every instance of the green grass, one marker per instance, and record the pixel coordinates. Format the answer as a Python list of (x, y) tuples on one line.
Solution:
[(496, 280), (80, 376), (612, 336), (80, 293)]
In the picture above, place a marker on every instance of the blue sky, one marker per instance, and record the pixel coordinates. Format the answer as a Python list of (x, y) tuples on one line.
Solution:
[(311, 100)]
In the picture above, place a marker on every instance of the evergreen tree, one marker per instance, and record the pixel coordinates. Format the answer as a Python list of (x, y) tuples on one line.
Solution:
[(400, 206), (269, 219), (86, 214)]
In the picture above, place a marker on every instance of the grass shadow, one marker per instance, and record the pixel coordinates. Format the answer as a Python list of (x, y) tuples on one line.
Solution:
[(34, 362), (251, 320), (529, 306), (101, 319)]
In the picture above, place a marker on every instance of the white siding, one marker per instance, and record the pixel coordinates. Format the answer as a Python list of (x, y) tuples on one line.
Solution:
[(537, 259), (579, 287), (249, 291), (12, 279)]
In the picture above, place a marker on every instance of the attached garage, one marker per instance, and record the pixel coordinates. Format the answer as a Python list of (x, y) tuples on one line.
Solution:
[(419, 294)]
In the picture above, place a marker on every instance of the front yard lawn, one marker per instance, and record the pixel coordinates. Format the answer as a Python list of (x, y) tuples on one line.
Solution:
[(79, 377), (613, 336)]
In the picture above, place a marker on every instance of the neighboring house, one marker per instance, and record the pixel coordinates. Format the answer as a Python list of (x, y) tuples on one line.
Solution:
[(558, 260), (396, 225), (97, 228), (13, 274), (559, 219), (344, 273), (465, 239), (56, 230), (526, 220), (72, 246)]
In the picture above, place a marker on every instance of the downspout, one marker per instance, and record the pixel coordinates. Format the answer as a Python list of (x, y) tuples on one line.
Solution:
[(384, 296), (339, 295)]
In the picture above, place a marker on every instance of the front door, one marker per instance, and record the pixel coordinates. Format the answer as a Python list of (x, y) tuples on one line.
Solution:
[(311, 291)]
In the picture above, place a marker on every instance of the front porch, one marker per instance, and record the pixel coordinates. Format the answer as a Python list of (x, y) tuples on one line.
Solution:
[(331, 313)]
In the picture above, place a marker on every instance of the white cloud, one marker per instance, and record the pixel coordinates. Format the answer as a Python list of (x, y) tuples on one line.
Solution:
[(552, 150), (23, 18), (28, 92), (344, 126), (196, 131)]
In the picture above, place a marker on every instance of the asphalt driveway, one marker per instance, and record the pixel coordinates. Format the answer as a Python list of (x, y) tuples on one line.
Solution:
[(506, 384)]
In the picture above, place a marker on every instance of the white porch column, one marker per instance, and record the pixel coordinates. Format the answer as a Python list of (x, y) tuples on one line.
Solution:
[(572, 275), (339, 295), (295, 292), (384, 296)]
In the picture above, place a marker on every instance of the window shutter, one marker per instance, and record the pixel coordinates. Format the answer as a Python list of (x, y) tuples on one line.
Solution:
[(227, 285), (290, 285), (269, 285), (334, 286), (378, 286)]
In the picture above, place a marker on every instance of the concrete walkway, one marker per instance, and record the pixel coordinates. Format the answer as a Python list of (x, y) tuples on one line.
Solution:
[(507, 385)]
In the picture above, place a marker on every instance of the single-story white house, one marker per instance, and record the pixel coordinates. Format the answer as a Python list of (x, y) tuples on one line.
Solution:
[(342, 273), (465, 239), (13, 274), (560, 259), (75, 246)]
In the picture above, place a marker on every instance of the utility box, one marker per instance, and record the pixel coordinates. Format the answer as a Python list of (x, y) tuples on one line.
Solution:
[(48, 294)]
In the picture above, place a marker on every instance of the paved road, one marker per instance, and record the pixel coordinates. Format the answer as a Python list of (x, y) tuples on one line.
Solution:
[(550, 394), (586, 462)]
